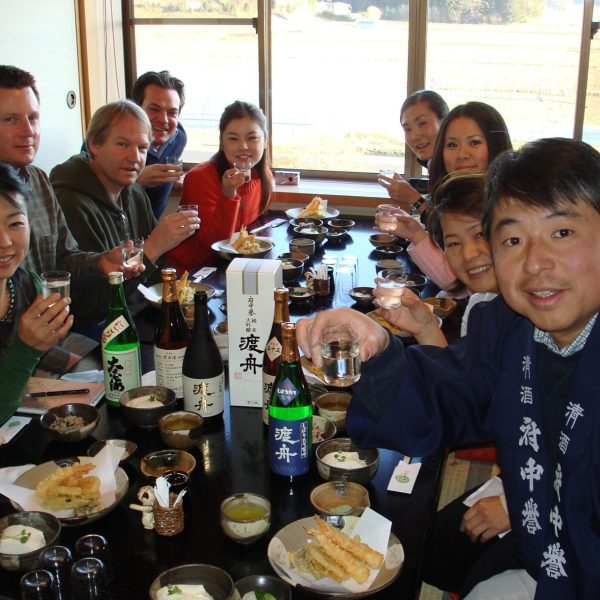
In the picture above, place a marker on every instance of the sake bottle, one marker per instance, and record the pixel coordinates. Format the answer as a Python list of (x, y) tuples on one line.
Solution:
[(203, 374), (290, 412), (171, 338), (121, 357), (273, 348)]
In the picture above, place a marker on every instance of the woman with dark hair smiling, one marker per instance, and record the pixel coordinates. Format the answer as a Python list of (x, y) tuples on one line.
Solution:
[(226, 196), (470, 137), (29, 324), (420, 117)]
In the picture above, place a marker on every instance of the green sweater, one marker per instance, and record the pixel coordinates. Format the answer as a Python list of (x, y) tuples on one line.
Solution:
[(18, 360)]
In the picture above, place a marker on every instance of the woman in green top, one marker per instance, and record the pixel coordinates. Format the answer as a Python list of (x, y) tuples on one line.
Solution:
[(29, 324)]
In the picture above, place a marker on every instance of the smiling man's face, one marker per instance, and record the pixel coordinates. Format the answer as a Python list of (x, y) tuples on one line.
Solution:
[(547, 263), (19, 126), (162, 107)]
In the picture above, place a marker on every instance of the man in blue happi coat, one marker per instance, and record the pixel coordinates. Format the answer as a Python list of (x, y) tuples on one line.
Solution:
[(527, 375)]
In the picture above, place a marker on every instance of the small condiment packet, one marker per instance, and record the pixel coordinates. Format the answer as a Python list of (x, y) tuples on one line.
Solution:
[(203, 273), (12, 427), (405, 474)]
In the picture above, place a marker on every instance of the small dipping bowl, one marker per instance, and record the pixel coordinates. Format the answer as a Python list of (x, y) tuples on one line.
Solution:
[(336, 237), (292, 269), (312, 232), (340, 498), (147, 417), (340, 224), (362, 295), (159, 462), (333, 406), (48, 524), (303, 245), (269, 584), (180, 429), (416, 282), (245, 517), (388, 263), (341, 470), (86, 412), (382, 239), (305, 222), (216, 582), (296, 255), (389, 250), (301, 297)]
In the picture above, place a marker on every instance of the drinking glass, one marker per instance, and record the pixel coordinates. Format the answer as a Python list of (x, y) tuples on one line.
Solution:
[(57, 560), (245, 167), (390, 290), (186, 207), (175, 161), (95, 545), (132, 252), (37, 585), (387, 217), (56, 281), (88, 580), (340, 352)]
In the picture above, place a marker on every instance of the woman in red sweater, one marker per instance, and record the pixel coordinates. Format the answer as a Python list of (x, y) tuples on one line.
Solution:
[(225, 197)]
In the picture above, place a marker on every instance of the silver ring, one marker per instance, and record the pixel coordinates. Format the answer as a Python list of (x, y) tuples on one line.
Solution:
[(182, 226)]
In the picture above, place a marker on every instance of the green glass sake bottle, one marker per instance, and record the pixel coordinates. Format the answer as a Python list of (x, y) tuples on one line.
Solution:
[(290, 412), (121, 357)]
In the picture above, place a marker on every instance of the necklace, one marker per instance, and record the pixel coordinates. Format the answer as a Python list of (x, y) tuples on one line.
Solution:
[(11, 301)]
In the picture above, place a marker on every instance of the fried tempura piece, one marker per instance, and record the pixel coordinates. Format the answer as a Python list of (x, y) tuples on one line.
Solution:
[(321, 562), (341, 557), (183, 289), (245, 243), (354, 546), (68, 487), (314, 208)]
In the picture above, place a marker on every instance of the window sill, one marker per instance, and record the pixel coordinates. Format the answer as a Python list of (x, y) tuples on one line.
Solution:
[(350, 197)]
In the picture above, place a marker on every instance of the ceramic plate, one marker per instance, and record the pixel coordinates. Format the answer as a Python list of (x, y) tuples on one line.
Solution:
[(157, 289), (225, 250), (31, 478), (293, 536), (294, 213)]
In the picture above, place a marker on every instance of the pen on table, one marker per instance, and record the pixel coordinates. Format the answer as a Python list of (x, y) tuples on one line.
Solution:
[(59, 393)]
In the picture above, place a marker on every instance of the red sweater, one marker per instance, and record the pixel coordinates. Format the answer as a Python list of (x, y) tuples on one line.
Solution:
[(220, 216)]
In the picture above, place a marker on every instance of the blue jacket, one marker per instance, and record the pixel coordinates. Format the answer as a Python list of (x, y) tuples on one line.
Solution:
[(485, 386)]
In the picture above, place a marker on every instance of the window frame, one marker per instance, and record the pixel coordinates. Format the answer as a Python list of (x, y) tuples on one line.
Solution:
[(417, 52)]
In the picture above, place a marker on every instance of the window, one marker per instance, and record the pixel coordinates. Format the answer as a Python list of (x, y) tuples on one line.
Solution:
[(339, 72)]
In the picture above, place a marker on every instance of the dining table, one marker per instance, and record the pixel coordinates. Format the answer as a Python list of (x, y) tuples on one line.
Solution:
[(231, 456)]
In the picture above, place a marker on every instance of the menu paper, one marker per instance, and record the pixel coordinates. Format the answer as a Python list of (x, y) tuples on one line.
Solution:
[(405, 475)]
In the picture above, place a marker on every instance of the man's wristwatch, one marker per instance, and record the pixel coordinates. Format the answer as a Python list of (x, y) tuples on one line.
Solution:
[(415, 207)]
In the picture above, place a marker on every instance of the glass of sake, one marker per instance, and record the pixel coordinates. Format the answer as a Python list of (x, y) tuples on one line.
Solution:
[(390, 289), (387, 217), (340, 353), (56, 281), (132, 252), (245, 167)]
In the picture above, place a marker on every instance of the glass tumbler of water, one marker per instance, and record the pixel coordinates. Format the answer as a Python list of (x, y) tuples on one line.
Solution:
[(390, 290), (56, 281), (132, 252), (387, 217), (340, 353)]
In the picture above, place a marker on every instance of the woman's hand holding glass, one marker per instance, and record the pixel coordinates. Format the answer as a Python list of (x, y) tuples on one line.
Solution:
[(398, 189), (407, 227), (234, 178), (45, 322)]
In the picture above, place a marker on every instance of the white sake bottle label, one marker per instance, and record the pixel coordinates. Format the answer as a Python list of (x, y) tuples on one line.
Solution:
[(267, 390), (168, 364), (204, 396)]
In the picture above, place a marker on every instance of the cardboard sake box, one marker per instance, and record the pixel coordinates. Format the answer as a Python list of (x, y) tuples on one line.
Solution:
[(250, 307)]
